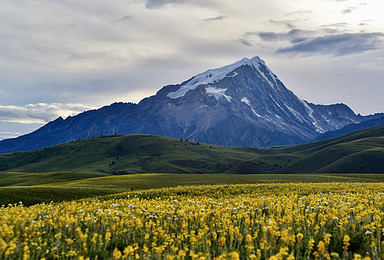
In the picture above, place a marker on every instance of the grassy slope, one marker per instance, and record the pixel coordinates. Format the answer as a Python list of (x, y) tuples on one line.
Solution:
[(116, 184), (360, 152), (120, 154)]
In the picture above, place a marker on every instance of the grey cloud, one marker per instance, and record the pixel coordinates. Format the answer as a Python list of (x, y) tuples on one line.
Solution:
[(337, 45), (353, 8), (348, 10), (39, 113), (335, 28), (301, 12), (337, 25), (270, 36), (214, 19), (6, 135), (246, 38), (251, 34), (123, 19), (153, 4), (245, 42), (365, 22), (287, 23), (294, 35)]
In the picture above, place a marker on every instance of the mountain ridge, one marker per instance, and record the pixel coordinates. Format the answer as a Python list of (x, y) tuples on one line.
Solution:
[(241, 104), (377, 120)]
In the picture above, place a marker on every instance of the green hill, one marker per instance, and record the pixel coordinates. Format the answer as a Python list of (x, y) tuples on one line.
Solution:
[(359, 152), (117, 155)]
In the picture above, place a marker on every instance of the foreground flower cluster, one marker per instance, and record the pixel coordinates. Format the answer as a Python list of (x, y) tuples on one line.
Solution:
[(269, 221)]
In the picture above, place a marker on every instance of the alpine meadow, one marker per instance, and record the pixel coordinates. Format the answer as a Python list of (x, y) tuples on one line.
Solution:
[(151, 129)]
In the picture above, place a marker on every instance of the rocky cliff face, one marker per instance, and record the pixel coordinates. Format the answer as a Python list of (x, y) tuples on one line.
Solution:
[(242, 104)]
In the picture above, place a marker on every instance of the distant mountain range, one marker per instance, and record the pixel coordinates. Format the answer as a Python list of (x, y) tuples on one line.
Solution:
[(359, 152), (242, 104), (377, 120)]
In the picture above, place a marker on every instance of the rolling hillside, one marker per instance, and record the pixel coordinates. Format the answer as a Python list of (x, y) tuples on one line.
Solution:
[(119, 154), (359, 152)]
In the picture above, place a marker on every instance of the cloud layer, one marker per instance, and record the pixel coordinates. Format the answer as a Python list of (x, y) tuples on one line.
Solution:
[(60, 53), (39, 113), (338, 45), (159, 3)]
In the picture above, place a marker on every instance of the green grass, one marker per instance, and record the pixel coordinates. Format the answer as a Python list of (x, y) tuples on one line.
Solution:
[(72, 190), (149, 181), (360, 152), (29, 179), (31, 195), (119, 154), (118, 163)]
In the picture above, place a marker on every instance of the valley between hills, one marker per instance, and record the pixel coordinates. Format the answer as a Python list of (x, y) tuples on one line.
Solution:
[(116, 163)]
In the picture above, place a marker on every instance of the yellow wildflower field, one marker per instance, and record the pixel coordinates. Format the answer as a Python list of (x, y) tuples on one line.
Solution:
[(264, 221)]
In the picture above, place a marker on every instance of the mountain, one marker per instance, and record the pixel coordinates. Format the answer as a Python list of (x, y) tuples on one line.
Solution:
[(359, 152), (378, 120), (242, 104)]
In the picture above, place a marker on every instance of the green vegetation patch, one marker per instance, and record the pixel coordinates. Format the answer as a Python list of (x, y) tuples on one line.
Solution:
[(91, 187), (37, 195)]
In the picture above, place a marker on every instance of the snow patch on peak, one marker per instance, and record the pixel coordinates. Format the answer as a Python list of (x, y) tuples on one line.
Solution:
[(218, 93), (232, 75), (310, 111), (307, 107), (295, 113), (214, 75), (246, 101), (270, 74)]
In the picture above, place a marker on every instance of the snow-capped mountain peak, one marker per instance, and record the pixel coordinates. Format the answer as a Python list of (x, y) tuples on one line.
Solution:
[(242, 104), (215, 75), (249, 90)]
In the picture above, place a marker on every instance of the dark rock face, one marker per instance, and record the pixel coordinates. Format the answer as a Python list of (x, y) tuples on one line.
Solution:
[(242, 104)]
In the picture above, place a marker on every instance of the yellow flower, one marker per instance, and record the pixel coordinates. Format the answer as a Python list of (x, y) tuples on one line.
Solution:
[(346, 240), (357, 257), (128, 251), (327, 239), (234, 256), (311, 243), (299, 237), (116, 254)]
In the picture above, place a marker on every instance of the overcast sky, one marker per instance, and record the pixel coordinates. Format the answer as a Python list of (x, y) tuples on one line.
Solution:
[(61, 57)]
